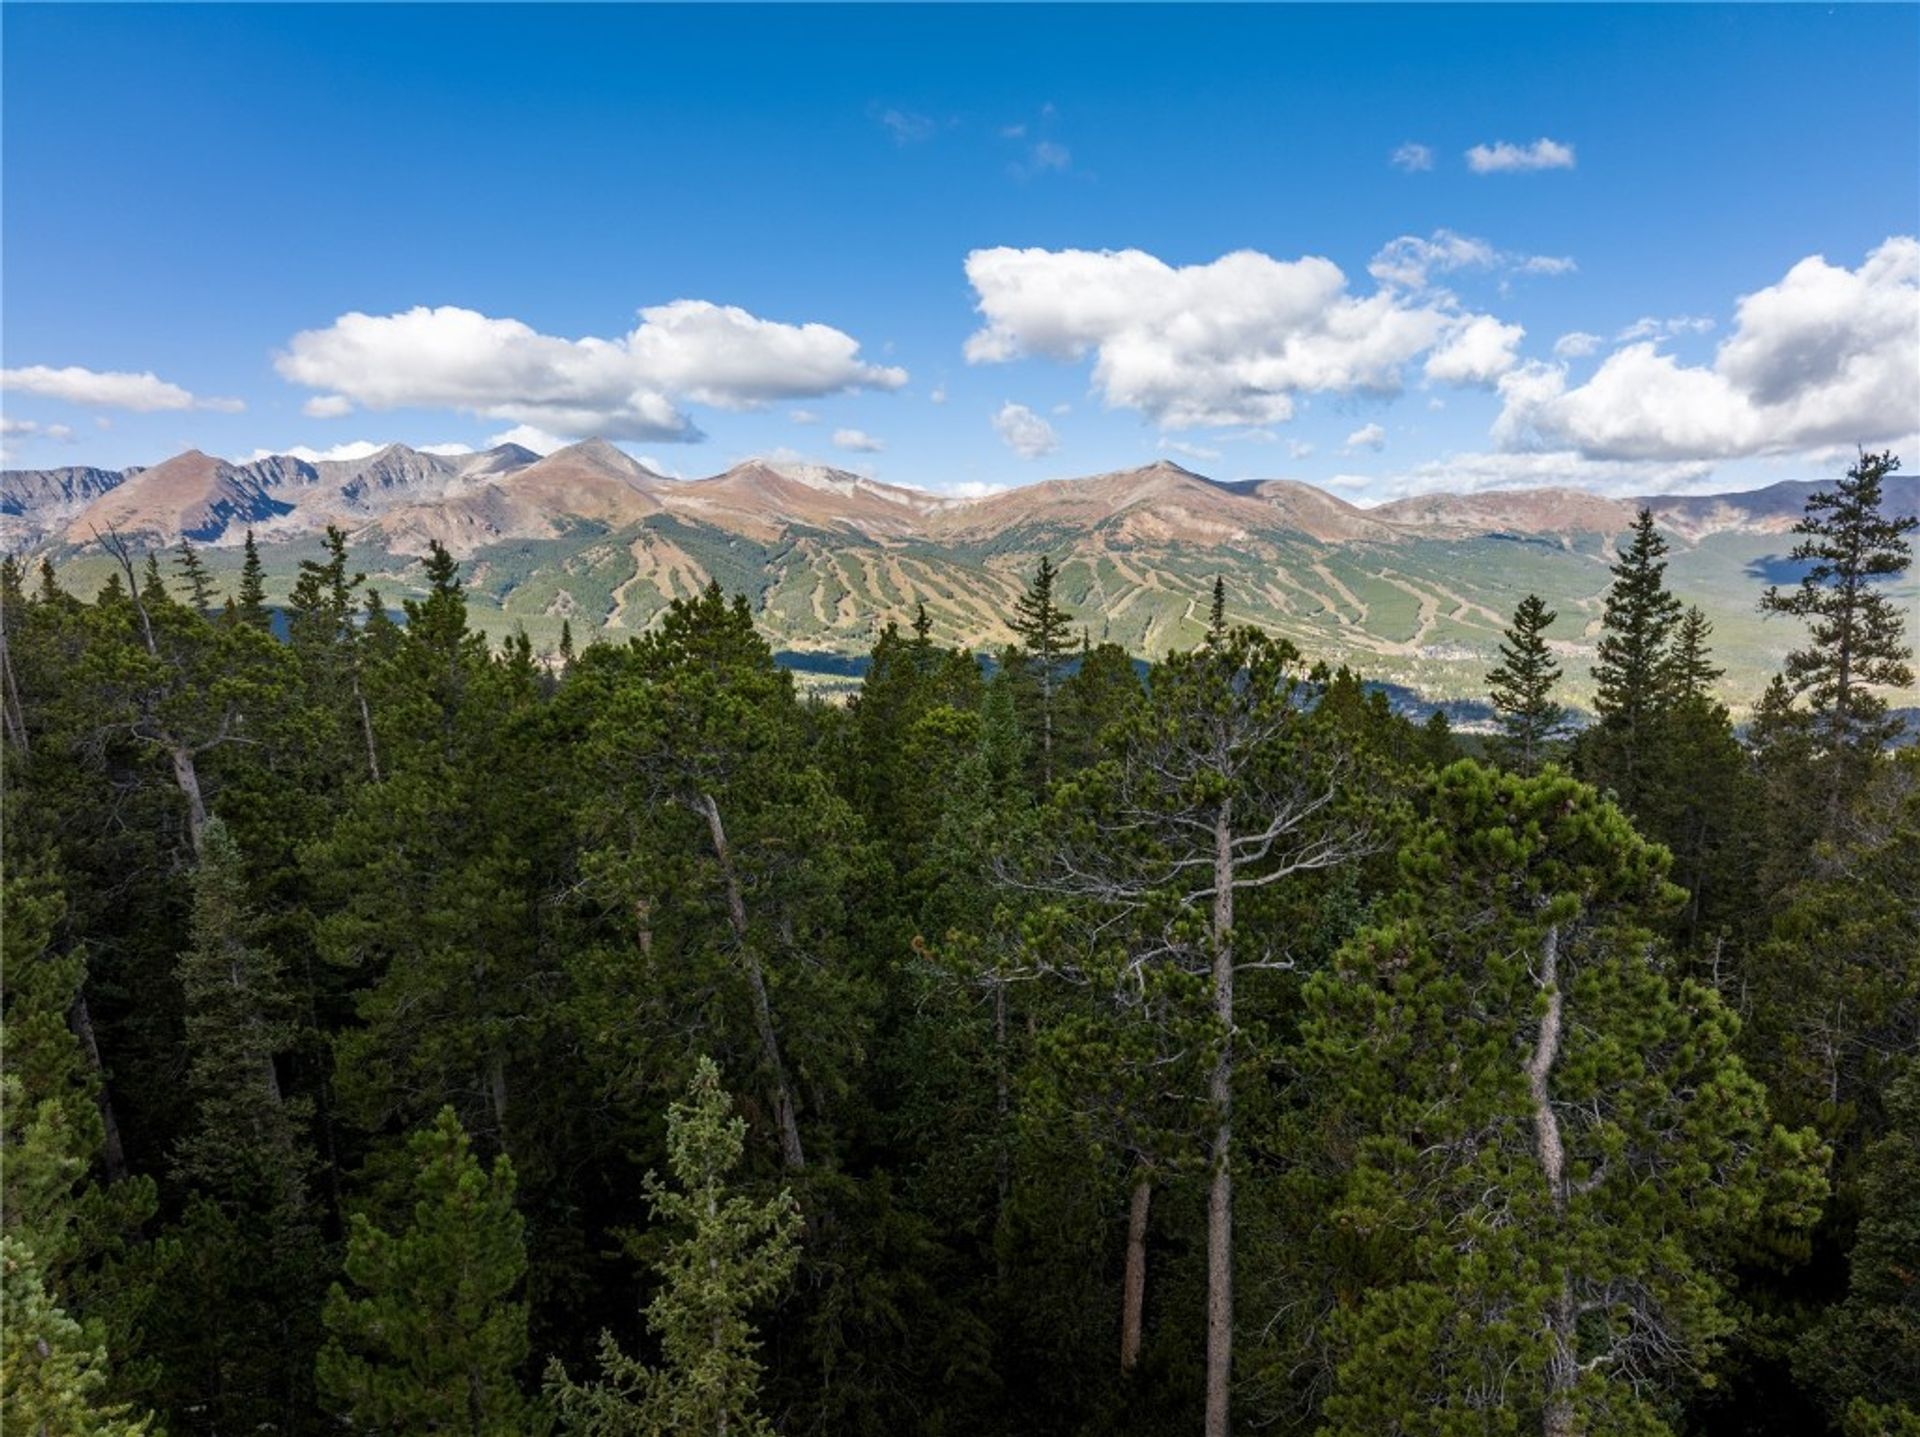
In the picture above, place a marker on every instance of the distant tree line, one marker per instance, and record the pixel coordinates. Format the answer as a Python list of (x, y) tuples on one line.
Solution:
[(402, 1036)]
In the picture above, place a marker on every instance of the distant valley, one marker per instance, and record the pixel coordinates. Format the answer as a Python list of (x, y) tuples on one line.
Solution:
[(1413, 592)]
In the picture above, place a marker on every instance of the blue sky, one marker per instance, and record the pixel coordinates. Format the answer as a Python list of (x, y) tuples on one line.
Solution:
[(988, 241)]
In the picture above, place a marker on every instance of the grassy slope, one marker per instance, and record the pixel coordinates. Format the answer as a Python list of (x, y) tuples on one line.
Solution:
[(1425, 616)]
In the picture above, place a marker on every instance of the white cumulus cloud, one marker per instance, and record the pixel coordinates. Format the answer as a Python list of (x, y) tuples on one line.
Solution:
[(1476, 352), (1228, 342), (1502, 157), (1024, 432), (354, 449), (1829, 355), (1368, 436), (858, 441), (631, 387), (327, 406), (527, 436), (144, 393)]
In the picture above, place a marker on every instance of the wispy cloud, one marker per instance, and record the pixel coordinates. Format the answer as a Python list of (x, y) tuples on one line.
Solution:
[(1411, 261), (1412, 158), (1043, 157), (1191, 451), (857, 441), (1648, 327), (1502, 157), (905, 127)]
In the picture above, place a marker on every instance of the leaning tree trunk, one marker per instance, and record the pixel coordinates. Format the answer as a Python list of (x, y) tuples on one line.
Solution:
[(791, 1153), (1134, 1293), (1557, 1417), (113, 1154), (1220, 1090)]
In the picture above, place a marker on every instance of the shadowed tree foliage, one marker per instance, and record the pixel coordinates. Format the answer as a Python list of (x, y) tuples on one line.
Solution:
[(730, 1253), (429, 1339)]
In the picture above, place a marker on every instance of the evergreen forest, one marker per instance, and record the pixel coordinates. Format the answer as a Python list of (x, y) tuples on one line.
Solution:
[(406, 1034)]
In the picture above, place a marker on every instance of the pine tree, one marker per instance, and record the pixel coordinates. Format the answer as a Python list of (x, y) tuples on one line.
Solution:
[(242, 1336), (1438, 747), (566, 644), (1864, 1357), (1858, 635), (1548, 1147), (192, 570), (53, 1373), (1691, 672), (1217, 613), (1225, 790), (430, 1337), (71, 1297), (732, 1253), (252, 599), (1041, 625), (1522, 688), (1631, 671)]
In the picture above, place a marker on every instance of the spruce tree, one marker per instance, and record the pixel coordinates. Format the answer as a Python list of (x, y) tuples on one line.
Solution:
[(1522, 688), (430, 1337), (72, 1297), (1864, 1358), (53, 1372), (1691, 672), (1631, 672), (1858, 633), (192, 570), (1041, 625), (252, 599), (730, 1254), (242, 1336), (1217, 612)]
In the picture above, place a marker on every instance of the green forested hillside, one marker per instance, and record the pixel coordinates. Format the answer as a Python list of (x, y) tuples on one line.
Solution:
[(1424, 614), (407, 1033)]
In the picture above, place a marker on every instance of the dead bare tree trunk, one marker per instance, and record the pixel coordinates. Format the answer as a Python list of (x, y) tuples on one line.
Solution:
[(113, 1154), (1002, 1096), (186, 777), (497, 1088), (791, 1152), (366, 727), (1220, 1091), (1134, 1293), (1557, 1418), (186, 774)]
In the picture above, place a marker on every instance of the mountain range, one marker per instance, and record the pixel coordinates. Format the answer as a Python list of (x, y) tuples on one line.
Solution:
[(1414, 592)]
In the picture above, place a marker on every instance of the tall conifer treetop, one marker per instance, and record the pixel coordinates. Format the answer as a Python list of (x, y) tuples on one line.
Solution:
[(1857, 636)]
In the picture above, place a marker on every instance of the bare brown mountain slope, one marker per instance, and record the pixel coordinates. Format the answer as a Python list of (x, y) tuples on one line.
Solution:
[(762, 499), (192, 495), (1160, 503), (1509, 511), (591, 480)]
